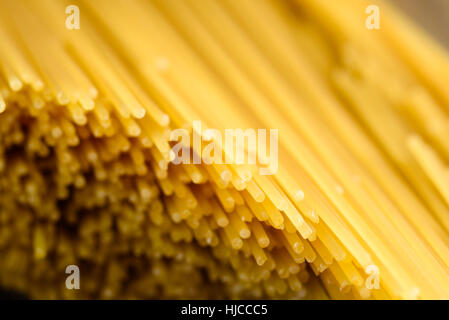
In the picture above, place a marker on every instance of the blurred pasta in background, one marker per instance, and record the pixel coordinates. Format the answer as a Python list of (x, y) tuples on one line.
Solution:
[(90, 92)]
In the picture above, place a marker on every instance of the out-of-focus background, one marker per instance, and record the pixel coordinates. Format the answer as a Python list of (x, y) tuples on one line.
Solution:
[(432, 15)]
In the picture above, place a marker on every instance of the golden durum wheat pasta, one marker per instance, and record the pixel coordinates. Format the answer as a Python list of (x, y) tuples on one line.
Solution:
[(343, 191)]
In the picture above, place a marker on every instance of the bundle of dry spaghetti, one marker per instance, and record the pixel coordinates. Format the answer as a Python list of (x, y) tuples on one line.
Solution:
[(358, 206)]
